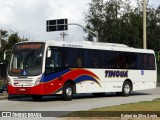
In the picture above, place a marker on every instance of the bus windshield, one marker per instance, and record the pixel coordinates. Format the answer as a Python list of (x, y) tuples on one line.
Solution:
[(26, 62)]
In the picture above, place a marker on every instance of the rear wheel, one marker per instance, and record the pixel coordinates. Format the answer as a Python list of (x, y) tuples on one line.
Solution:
[(126, 90), (37, 97), (67, 92)]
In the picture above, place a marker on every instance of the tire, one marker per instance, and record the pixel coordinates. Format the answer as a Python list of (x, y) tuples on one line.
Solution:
[(37, 97), (126, 90), (67, 92), (10, 96), (98, 94)]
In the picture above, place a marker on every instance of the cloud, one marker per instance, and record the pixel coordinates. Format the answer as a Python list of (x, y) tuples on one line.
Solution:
[(28, 17)]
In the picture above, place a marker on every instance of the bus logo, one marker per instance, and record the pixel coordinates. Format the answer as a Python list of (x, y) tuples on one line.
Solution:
[(116, 73), (24, 72)]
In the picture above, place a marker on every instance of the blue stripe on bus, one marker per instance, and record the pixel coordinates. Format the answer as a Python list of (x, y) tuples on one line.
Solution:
[(85, 78), (54, 75)]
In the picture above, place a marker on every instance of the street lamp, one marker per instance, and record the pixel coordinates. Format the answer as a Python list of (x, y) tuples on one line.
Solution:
[(144, 25)]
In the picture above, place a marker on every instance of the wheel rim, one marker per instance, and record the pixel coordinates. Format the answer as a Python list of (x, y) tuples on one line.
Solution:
[(127, 88), (69, 91)]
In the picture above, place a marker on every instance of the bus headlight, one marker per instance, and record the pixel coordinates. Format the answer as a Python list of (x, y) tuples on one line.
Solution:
[(37, 81)]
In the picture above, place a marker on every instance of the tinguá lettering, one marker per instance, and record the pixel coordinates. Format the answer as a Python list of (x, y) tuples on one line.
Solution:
[(116, 73)]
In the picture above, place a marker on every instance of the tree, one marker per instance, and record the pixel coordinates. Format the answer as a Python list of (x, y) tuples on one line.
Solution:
[(3, 42), (117, 22), (105, 18), (95, 18), (7, 42), (157, 28), (3, 37)]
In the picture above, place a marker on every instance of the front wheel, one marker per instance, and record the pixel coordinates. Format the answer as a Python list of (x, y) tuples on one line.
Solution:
[(67, 92), (126, 90)]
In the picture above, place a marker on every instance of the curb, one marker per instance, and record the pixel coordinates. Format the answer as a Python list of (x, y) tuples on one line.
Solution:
[(11, 97), (5, 96)]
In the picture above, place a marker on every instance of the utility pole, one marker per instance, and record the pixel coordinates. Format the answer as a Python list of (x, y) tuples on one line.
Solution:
[(144, 25), (63, 34)]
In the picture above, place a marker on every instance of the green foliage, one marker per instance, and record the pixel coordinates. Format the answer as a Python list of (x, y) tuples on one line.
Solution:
[(7, 41), (1, 83), (118, 22), (145, 107)]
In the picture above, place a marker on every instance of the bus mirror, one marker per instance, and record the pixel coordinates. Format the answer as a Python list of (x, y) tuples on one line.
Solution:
[(49, 52), (4, 56)]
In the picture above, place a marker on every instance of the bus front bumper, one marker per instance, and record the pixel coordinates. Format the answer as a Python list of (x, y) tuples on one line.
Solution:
[(36, 90)]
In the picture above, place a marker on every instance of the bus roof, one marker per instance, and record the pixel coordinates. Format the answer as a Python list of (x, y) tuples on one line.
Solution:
[(94, 45)]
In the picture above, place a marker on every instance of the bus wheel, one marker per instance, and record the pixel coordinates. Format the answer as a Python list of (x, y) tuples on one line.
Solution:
[(126, 90), (37, 97), (67, 92)]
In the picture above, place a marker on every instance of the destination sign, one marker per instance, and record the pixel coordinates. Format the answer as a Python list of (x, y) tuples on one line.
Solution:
[(34, 46)]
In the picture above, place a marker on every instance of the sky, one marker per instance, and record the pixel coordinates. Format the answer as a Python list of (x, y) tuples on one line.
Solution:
[(28, 17)]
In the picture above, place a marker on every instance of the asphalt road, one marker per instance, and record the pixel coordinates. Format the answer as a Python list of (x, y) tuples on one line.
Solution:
[(79, 102)]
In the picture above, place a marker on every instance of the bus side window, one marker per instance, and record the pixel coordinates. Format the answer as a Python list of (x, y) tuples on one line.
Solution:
[(49, 58), (139, 63), (53, 61), (79, 58), (145, 60), (86, 58), (120, 60), (79, 61), (95, 59), (103, 59), (111, 62), (151, 62), (57, 58)]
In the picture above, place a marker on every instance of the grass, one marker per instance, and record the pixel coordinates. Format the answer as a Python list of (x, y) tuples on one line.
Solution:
[(145, 107), (140, 106)]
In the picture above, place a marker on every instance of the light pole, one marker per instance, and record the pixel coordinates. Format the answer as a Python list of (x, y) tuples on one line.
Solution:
[(144, 25)]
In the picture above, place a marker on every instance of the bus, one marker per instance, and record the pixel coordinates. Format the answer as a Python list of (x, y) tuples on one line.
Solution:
[(65, 68)]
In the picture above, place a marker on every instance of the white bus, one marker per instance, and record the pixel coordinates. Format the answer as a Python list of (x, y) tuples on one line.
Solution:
[(49, 68)]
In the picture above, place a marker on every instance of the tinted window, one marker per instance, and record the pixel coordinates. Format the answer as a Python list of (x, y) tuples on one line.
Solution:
[(54, 62), (149, 61), (89, 58)]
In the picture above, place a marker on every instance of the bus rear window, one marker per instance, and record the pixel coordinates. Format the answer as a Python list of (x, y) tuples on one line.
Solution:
[(149, 62)]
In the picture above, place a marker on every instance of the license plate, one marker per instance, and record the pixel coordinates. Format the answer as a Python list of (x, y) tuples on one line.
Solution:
[(22, 90)]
